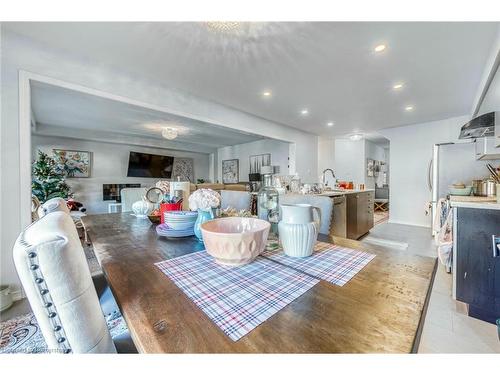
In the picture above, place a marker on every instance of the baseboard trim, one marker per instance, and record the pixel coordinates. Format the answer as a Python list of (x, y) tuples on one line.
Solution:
[(386, 243), (408, 223)]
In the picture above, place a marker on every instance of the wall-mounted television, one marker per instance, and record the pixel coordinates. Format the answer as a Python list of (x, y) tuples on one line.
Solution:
[(149, 165)]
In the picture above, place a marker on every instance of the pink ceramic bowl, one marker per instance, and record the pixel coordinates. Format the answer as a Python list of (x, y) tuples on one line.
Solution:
[(234, 241)]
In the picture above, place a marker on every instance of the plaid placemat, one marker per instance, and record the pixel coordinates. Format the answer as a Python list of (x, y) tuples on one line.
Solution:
[(236, 299), (328, 262)]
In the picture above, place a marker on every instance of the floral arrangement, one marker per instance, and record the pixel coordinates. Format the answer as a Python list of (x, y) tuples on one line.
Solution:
[(204, 199), (164, 186)]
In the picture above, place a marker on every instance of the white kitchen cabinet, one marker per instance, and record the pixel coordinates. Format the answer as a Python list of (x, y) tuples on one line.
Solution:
[(486, 149)]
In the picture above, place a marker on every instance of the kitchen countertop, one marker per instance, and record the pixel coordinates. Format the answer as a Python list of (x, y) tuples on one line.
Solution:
[(336, 193), (487, 203)]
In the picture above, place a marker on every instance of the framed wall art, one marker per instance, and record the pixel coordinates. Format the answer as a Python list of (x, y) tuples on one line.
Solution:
[(257, 161), (230, 171), (76, 164)]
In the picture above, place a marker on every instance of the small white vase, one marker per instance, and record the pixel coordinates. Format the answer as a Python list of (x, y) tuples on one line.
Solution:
[(142, 208), (298, 240)]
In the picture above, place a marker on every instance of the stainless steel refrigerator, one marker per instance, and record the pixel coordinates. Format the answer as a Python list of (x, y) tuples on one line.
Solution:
[(452, 162)]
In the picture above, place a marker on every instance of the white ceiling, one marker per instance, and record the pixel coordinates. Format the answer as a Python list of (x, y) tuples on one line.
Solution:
[(61, 107), (329, 67)]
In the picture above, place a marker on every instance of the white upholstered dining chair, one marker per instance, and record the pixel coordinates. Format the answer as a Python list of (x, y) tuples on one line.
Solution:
[(239, 200), (56, 279), (131, 195)]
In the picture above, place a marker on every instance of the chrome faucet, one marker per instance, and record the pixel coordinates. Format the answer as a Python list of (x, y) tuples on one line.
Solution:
[(323, 176)]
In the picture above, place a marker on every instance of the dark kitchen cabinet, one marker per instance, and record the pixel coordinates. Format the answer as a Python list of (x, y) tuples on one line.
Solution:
[(359, 213), (478, 262)]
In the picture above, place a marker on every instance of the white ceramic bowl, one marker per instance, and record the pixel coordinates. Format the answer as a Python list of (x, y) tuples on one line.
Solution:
[(234, 241)]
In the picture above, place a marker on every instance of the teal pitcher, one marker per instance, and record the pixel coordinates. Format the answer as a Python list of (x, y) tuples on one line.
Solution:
[(203, 215)]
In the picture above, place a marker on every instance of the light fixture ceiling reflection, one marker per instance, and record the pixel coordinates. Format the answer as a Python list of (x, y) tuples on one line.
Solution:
[(356, 137), (169, 133), (223, 27)]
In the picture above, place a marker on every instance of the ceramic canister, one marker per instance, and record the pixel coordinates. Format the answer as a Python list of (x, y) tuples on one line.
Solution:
[(298, 230)]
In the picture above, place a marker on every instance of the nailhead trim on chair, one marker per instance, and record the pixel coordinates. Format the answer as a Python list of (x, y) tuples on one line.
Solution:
[(46, 299)]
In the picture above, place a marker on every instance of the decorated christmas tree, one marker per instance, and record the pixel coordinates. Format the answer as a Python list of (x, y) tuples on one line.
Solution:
[(48, 180)]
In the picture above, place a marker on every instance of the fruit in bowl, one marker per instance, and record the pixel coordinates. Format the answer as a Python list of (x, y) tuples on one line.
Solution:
[(235, 241)]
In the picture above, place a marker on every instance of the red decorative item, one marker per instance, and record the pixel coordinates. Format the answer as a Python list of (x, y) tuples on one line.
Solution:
[(169, 207)]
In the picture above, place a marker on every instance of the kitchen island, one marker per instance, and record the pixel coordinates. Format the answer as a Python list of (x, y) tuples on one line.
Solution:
[(352, 212), (476, 255)]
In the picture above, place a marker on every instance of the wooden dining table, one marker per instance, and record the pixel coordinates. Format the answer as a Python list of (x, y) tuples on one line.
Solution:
[(381, 309)]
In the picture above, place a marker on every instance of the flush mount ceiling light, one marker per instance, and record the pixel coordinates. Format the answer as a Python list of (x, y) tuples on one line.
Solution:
[(304, 112), (266, 94), (169, 133), (223, 27), (329, 123), (397, 86), (409, 108), (356, 137), (380, 48)]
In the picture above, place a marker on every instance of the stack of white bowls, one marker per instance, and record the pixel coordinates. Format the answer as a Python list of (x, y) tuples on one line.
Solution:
[(178, 224)]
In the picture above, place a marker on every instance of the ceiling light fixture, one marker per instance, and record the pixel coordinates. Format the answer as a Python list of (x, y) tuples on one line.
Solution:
[(380, 48), (409, 108), (397, 86), (169, 133), (356, 137), (223, 27), (266, 94), (304, 112), (329, 124)]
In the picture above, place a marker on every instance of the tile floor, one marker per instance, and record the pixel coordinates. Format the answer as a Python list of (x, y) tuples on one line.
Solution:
[(447, 327)]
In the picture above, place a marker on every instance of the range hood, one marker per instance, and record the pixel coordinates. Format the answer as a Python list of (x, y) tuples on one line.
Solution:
[(481, 126)]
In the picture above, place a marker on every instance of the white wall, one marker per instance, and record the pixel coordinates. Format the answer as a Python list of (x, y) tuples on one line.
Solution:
[(326, 158), (109, 166), (411, 152), (19, 53), (279, 155), (350, 160)]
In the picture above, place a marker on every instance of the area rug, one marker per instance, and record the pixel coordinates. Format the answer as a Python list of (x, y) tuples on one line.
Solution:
[(23, 334), (380, 217)]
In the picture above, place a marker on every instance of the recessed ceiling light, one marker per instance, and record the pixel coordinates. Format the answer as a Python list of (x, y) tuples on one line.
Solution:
[(329, 123), (409, 108), (266, 93), (304, 111), (397, 86), (380, 48), (356, 137)]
